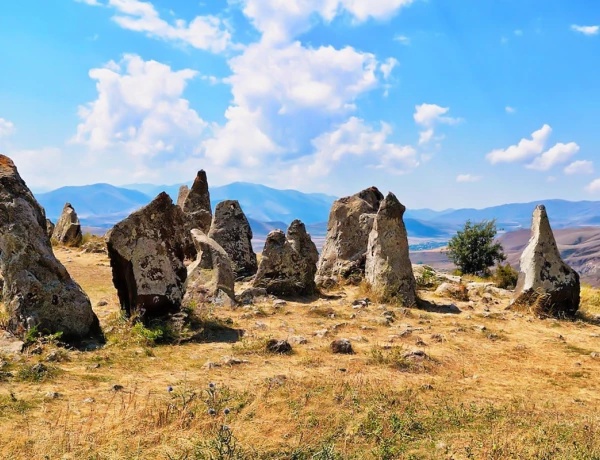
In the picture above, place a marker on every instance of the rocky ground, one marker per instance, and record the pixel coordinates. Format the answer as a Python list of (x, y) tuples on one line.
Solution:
[(459, 377)]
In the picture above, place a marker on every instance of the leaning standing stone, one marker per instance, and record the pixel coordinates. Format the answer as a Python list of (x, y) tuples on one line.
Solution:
[(68, 229), (546, 283), (146, 256), (38, 291)]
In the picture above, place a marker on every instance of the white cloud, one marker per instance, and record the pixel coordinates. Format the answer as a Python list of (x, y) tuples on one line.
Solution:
[(90, 2), (510, 109), (556, 155), (402, 39), (387, 67), (203, 32), (594, 186), (425, 136), (526, 148), (355, 138), (139, 107), (586, 30), (518, 33), (429, 115), (7, 128), (580, 167), (468, 178)]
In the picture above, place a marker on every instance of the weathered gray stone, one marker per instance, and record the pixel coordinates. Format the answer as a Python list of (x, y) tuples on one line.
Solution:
[(68, 229), (38, 291), (210, 277), (49, 228), (280, 347), (184, 191), (342, 346), (146, 256), (350, 223), (231, 230), (288, 265), (388, 269), (545, 281), (197, 204)]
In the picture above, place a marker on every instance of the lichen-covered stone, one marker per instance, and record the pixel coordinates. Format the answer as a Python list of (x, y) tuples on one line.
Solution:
[(146, 256), (350, 223), (288, 265), (210, 278), (197, 204), (545, 281), (68, 229), (231, 230), (38, 291)]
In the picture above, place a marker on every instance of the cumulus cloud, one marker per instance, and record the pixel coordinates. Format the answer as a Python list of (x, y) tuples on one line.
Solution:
[(387, 67), (560, 153), (139, 107), (7, 128), (594, 186), (430, 115), (525, 149), (468, 178), (580, 167), (586, 30), (402, 39)]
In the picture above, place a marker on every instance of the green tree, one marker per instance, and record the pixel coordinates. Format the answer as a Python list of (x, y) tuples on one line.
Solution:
[(474, 249)]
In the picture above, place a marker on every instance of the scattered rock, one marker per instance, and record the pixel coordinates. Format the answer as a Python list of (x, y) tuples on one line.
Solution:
[(68, 229), (146, 253), (342, 346), (248, 296), (102, 303), (297, 340), (321, 333), (288, 264), (454, 291), (417, 355), (230, 361), (546, 283), (89, 400), (94, 247), (279, 303), (437, 338), (38, 291), (279, 346), (231, 230), (117, 387), (211, 365), (350, 223), (388, 269)]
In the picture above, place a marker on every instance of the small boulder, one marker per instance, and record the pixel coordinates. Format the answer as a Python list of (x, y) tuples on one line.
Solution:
[(231, 230), (388, 269), (68, 229), (146, 256), (342, 346), (281, 347), (350, 223), (546, 284), (210, 278), (288, 264), (248, 296)]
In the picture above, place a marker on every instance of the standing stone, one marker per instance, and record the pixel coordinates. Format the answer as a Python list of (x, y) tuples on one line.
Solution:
[(49, 228), (231, 230), (210, 278), (348, 229), (38, 291), (288, 265), (546, 283), (68, 229), (146, 256), (388, 268), (184, 191), (197, 204)]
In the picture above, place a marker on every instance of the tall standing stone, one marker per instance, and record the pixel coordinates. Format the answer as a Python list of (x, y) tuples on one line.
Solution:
[(49, 228), (146, 256), (388, 269), (184, 191), (288, 265), (68, 229), (350, 223), (38, 291), (231, 230), (546, 283), (197, 204)]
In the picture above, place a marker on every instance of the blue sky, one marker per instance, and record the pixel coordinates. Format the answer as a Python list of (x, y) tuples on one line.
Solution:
[(447, 103)]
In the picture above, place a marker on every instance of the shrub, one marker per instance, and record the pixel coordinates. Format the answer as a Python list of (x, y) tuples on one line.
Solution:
[(474, 249), (506, 277)]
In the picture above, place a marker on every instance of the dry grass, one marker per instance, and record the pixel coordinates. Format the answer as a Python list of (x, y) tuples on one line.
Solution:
[(494, 384)]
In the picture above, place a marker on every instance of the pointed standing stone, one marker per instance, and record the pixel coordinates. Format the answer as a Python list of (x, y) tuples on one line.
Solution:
[(38, 291), (545, 281), (231, 230), (146, 256), (184, 191), (388, 268), (68, 229), (197, 204), (350, 222)]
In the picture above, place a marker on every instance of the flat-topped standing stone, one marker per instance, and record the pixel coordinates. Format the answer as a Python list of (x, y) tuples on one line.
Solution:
[(184, 191), (146, 256), (68, 229), (350, 223), (288, 265), (231, 230), (545, 281), (210, 278), (38, 291), (388, 268)]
